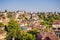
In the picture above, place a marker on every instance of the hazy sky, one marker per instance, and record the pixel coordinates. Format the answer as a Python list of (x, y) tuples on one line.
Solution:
[(30, 5)]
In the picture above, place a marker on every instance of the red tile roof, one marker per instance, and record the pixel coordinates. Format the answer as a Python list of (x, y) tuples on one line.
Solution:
[(51, 36)]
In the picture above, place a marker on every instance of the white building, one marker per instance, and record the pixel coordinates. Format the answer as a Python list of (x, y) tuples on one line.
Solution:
[(56, 28)]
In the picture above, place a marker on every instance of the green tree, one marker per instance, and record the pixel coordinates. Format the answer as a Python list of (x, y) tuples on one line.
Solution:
[(33, 31), (42, 15), (27, 36), (23, 35), (13, 30), (31, 37), (1, 25), (47, 24), (9, 14)]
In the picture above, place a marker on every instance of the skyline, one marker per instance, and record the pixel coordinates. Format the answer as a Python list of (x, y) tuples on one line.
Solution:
[(30, 5)]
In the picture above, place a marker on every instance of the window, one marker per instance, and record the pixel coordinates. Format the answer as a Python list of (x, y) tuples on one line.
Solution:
[(47, 38), (54, 28), (58, 28), (59, 35)]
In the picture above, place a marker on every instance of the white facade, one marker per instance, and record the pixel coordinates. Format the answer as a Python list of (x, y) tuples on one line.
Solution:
[(29, 28), (56, 25)]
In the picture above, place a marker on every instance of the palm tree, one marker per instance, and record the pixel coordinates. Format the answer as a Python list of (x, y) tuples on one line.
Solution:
[(13, 30)]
